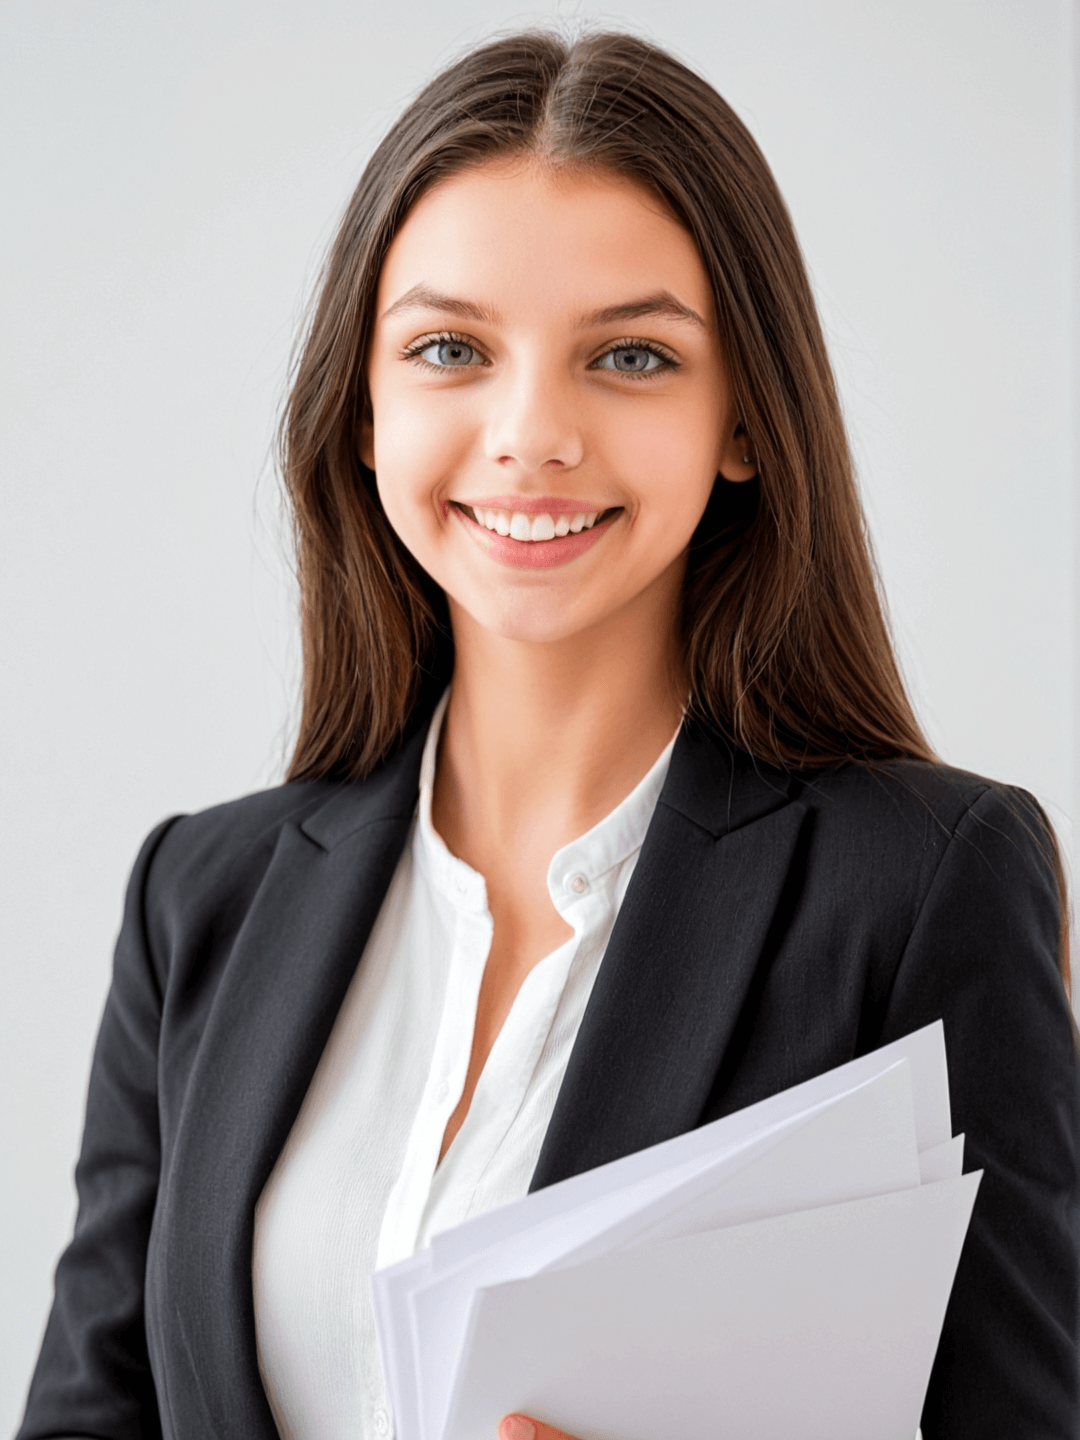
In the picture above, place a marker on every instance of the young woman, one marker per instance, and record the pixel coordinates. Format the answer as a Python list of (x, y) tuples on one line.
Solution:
[(608, 814)]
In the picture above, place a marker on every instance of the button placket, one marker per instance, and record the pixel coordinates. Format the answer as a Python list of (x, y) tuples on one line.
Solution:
[(452, 1046)]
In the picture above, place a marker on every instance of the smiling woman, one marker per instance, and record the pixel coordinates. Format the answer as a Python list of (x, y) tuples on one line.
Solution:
[(608, 813)]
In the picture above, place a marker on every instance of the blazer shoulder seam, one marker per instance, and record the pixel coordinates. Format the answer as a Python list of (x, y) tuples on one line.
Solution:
[(946, 849)]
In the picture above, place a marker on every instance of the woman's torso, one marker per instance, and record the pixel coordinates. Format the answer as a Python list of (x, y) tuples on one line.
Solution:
[(776, 925)]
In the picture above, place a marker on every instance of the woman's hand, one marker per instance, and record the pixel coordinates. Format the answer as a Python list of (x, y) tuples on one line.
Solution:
[(520, 1427)]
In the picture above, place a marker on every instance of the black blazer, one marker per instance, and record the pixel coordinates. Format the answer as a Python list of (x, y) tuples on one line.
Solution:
[(776, 925)]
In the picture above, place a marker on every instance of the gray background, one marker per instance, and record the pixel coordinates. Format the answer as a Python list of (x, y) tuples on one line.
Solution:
[(169, 177)]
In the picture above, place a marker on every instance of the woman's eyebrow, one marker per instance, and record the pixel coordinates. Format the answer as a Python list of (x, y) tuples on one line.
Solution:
[(423, 297), (661, 303)]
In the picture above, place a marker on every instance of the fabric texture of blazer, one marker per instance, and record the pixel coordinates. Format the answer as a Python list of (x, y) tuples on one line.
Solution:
[(776, 925)]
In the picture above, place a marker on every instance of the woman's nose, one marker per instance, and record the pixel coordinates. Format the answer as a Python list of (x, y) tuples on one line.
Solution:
[(534, 423)]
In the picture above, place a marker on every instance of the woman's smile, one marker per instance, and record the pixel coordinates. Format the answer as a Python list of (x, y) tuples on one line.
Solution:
[(535, 534)]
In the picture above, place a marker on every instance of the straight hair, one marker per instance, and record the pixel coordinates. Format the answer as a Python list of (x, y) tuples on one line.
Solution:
[(786, 645)]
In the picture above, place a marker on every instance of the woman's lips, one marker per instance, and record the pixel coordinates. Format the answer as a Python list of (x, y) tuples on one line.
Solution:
[(535, 554)]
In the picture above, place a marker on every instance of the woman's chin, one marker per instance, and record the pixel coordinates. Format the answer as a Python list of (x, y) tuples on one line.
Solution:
[(549, 608), (532, 629), (528, 619)]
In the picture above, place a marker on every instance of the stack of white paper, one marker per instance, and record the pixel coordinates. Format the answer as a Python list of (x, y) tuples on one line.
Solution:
[(780, 1274)]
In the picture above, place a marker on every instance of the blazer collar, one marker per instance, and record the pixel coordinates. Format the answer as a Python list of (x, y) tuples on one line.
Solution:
[(389, 792), (719, 787)]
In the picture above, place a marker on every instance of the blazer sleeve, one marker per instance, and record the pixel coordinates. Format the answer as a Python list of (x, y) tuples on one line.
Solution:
[(983, 956), (93, 1374)]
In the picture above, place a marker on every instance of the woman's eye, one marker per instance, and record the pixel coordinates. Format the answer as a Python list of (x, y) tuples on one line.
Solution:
[(446, 354), (632, 360)]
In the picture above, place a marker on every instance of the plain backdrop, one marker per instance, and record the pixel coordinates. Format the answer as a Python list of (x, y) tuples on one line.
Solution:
[(169, 178)]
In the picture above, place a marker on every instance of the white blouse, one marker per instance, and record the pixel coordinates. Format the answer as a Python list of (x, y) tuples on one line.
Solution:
[(359, 1184)]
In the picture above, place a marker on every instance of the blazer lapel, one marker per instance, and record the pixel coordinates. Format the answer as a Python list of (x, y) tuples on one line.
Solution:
[(690, 933), (277, 1001)]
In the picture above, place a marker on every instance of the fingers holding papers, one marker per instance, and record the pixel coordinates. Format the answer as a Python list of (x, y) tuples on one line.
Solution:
[(520, 1427)]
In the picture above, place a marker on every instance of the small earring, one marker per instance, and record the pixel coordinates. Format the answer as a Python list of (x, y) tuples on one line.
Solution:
[(746, 459)]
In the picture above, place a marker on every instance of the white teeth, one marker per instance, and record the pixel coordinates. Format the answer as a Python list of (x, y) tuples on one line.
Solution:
[(520, 526)]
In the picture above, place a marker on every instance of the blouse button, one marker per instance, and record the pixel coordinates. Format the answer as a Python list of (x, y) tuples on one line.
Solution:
[(579, 884), (440, 1095), (382, 1422)]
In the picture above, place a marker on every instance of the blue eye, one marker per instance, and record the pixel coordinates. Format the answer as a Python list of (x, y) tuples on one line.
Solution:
[(632, 360), (449, 353)]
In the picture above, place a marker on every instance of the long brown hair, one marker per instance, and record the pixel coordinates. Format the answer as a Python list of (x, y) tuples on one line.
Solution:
[(786, 644)]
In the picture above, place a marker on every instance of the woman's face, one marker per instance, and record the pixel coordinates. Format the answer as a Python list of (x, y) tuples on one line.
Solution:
[(550, 404)]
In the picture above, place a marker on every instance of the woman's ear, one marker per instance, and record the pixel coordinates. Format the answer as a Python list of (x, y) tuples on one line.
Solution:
[(737, 460)]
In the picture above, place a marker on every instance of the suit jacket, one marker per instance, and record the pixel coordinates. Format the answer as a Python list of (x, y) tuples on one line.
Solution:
[(776, 925)]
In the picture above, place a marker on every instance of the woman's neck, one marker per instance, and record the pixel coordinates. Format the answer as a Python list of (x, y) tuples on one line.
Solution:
[(541, 741)]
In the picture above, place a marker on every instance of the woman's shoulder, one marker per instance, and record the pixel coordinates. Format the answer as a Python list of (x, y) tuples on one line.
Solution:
[(913, 821), (243, 833), (931, 797), (890, 804), (211, 862), (242, 827), (909, 786)]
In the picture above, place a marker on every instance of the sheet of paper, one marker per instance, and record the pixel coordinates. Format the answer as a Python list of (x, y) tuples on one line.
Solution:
[(925, 1049), (861, 1143), (428, 1343), (943, 1162), (816, 1326), (404, 1375), (389, 1291)]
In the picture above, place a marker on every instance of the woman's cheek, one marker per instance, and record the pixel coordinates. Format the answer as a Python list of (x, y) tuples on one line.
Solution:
[(414, 473), (669, 463), (671, 492)]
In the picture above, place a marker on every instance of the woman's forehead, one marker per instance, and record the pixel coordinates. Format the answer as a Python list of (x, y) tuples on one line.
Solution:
[(515, 233)]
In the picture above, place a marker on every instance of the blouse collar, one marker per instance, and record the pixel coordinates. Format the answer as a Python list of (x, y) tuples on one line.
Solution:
[(575, 870)]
